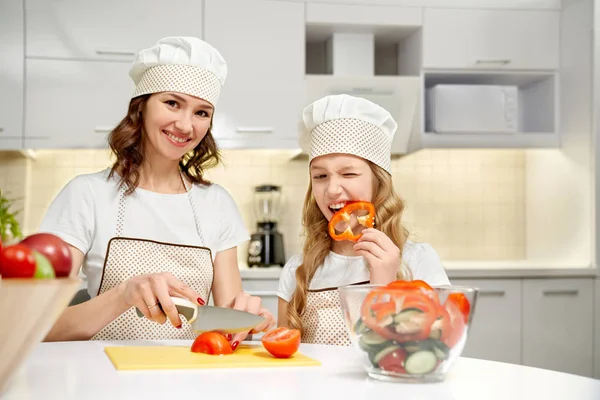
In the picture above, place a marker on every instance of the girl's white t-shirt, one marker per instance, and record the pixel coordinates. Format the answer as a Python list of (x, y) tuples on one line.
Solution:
[(338, 270), (84, 214)]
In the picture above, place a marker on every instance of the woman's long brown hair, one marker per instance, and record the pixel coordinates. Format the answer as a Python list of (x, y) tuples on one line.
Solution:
[(126, 143), (388, 210)]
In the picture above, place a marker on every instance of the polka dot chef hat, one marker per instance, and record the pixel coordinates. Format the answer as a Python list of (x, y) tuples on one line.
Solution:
[(180, 64), (350, 125)]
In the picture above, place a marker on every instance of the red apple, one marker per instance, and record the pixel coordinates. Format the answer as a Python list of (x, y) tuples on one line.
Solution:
[(54, 249), (17, 261)]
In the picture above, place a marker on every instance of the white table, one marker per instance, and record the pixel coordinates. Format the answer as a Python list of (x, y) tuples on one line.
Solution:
[(81, 370)]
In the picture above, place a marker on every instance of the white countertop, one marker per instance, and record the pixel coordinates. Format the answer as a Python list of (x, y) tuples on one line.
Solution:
[(81, 370)]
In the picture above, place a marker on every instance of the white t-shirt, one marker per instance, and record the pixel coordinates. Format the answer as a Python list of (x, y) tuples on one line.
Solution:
[(338, 270), (84, 214)]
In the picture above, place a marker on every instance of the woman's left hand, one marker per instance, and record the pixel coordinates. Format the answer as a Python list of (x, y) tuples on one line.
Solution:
[(381, 253), (251, 304)]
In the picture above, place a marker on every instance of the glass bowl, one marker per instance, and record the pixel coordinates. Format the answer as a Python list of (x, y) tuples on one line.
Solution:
[(408, 333)]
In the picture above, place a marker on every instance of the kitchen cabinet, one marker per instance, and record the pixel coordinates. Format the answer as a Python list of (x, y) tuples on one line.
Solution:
[(11, 74), (74, 104), (110, 29), (490, 4), (491, 39), (263, 44), (597, 330), (558, 325), (266, 289), (495, 332)]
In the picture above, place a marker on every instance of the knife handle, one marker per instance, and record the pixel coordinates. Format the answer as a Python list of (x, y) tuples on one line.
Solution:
[(184, 307)]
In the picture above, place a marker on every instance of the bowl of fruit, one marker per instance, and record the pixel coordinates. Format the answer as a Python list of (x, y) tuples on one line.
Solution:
[(408, 331), (35, 288)]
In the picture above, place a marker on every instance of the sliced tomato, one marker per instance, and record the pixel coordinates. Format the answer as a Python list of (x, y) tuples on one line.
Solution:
[(281, 342), (461, 301), (457, 324), (212, 343), (411, 319), (394, 361)]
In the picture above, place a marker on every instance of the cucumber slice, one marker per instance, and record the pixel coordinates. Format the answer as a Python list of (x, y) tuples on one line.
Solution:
[(440, 350), (420, 362), (379, 356), (406, 315), (372, 338), (359, 327)]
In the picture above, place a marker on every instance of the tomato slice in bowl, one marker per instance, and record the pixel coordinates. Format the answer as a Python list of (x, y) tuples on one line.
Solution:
[(213, 343), (281, 342)]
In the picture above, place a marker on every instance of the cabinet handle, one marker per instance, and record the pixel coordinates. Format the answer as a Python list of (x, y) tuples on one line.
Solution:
[(499, 61), (559, 292), (103, 129), (115, 53), (498, 293), (255, 130)]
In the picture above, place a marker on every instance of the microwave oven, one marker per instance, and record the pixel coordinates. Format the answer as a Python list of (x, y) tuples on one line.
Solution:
[(459, 108)]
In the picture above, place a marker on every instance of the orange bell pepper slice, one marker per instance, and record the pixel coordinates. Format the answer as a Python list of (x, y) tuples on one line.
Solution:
[(343, 215)]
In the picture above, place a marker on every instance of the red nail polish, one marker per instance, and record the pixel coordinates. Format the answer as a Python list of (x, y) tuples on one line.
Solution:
[(228, 336), (178, 326), (200, 301), (234, 345)]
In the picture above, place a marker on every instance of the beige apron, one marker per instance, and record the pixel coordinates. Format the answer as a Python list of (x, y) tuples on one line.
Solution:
[(323, 320), (129, 257)]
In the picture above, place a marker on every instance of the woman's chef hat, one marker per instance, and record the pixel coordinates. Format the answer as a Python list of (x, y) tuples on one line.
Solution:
[(350, 125), (180, 64)]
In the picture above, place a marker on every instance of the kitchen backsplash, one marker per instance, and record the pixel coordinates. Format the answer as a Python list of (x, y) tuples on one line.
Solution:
[(469, 204)]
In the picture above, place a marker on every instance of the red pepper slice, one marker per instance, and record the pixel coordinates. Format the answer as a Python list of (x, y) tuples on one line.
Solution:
[(344, 216), (400, 315)]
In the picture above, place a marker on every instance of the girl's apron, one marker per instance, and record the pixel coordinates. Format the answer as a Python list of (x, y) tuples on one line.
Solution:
[(323, 320), (129, 257)]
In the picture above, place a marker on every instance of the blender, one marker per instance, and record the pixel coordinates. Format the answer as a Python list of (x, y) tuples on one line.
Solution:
[(266, 244)]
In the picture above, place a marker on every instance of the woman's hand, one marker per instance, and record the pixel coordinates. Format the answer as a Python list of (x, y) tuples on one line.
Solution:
[(381, 253), (251, 304), (146, 291)]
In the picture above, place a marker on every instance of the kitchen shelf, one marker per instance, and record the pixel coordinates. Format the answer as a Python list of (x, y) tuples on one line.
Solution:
[(538, 118), (397, 50)]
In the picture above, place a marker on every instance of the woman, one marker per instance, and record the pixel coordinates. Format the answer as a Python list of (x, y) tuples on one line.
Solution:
[(151, 226), (350, 141)]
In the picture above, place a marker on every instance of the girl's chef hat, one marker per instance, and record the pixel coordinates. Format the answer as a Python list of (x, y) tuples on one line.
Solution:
[(180, 64), (350, 125)]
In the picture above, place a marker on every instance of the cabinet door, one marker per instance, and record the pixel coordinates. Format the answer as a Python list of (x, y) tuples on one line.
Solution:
[(495, 332), (491, 39), (263, 44), (558, 325), (11, 74), (597, 329), (74, 104), (109, 29)]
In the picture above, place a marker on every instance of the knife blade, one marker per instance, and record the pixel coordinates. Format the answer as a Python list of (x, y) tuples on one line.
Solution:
[(212, 318)]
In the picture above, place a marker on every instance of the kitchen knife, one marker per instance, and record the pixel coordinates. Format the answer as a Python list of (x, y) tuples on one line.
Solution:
[(211, 318)]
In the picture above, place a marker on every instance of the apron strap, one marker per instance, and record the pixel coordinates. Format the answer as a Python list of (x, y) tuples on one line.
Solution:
[(123, 200)]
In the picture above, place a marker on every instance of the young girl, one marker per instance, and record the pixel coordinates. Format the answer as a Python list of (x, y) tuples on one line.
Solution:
[(151, 226), (349, 159)]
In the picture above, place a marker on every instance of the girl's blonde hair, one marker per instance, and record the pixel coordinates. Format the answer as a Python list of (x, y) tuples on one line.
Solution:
[(388, 209)]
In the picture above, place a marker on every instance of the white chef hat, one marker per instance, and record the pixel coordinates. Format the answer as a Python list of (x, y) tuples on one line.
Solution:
[(180, 64), (350, 125)]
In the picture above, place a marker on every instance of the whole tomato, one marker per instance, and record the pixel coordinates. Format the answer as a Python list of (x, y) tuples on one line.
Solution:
[(281, 342), (54, 249), (213, 343), (17, 261)]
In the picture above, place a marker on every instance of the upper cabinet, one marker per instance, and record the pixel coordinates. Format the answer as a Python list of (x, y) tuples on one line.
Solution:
[(74, 104), (491, 39), (11, 74), (263, 44), (110, 29)]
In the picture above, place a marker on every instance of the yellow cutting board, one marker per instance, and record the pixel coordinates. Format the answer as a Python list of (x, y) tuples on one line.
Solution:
[(129, 358)]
